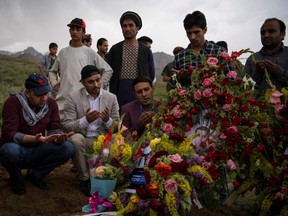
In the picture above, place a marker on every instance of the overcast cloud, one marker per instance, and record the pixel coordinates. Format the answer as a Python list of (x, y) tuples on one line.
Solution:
[(36, 23)]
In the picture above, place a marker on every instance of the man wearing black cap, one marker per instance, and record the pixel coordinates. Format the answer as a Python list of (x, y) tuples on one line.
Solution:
[(89, 112), (129, 59), (70, 62), (31, 136)]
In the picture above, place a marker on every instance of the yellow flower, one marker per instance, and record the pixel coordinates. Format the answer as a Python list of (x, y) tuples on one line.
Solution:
[(113, 196), (134, 199), (170, 201), (198, 168), (98, 144), (127, 152), (154, 142)]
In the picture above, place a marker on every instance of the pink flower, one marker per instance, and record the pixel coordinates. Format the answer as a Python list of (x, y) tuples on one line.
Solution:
[(232, 74), (207, 82), (182, 92), (177, 114), (171, 186), (197, 95), (225, 55), (206, 165), (222, 136), (226, 107), (176, 158), (212, 61), (168, 127), (233, 129), (207, 93), (275, 97), (231, 165)]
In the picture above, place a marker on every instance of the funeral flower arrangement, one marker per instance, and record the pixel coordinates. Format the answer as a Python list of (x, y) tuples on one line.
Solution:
[(238, 133), (215, 127), (172, 172), (110, 165)]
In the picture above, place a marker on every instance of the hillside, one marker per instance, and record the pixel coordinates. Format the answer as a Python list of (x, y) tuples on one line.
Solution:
[(13, 72)]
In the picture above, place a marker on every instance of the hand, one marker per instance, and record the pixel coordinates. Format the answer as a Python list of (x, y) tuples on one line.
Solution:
[(43, 139), (91, 115), (182, 73), (146, 118), (268, 65), (60, 138), (56, 87), (105, 115)]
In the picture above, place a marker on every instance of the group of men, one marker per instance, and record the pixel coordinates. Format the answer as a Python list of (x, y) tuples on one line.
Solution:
[(39, 133)]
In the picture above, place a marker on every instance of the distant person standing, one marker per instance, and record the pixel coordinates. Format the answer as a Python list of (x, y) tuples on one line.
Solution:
[(169, 71), (102, 47), (87, 40), (273, 57), (70, 62), (129, 59), (146, 40), (48, 60)]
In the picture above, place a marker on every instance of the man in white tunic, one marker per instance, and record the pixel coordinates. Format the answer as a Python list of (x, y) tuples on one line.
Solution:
[(65, 73)]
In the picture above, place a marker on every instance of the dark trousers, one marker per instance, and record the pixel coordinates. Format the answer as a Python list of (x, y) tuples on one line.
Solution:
[(41, 159)]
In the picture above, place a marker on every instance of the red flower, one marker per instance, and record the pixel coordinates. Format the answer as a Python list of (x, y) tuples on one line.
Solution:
[(260, 147), (153, 190), (236, 184), (265, 124), (252, 101), (142, 192), (156, 205), (244, 108), (190, 69), (153, 159), (163, 169), (266, 132), (181, 167)]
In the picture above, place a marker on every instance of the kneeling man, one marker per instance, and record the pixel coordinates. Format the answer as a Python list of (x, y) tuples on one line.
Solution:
[(89, 112)]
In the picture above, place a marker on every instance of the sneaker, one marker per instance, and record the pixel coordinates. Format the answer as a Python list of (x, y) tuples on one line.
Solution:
[(85, 187), (37, 182), (17, 187)]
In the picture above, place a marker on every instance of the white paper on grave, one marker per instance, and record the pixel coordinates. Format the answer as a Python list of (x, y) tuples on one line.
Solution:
[(202, 128), (286, 151), (102, 214)]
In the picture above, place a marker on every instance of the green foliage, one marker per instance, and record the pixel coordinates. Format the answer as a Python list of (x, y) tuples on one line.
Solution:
[(13, 74)]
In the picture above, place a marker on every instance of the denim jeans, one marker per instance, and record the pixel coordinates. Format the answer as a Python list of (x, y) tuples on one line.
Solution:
[(42, 159)]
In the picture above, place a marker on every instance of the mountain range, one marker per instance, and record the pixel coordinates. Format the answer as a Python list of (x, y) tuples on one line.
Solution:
[(161, 59)]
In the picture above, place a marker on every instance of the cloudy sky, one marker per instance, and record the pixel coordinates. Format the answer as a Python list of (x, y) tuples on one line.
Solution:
[(36, 23)]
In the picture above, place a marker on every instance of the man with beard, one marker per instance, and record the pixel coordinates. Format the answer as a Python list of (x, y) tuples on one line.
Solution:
[(139, 112), (31, 135), (273, 57), (129, 59), (89, 112)]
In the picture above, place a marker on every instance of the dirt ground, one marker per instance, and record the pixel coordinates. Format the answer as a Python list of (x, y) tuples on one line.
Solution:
[(63, 197)]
